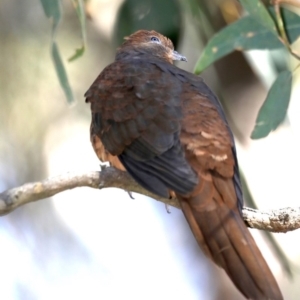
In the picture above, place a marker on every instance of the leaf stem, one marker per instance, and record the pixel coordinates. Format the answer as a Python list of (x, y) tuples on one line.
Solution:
[(280, 24)]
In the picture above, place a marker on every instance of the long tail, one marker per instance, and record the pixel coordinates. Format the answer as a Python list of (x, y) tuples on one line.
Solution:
[(222, 234)]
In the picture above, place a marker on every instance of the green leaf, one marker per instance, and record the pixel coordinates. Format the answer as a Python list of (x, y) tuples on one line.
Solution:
[(79, 7), (256, 9), (291, 23), (244, 34), (61, 72), (162, 16), (274, 109), (52, 9), (78, 52)]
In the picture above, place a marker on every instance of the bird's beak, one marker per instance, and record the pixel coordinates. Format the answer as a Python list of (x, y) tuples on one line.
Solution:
[(177, 56)]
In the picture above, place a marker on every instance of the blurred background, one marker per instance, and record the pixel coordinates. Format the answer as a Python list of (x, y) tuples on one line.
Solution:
[(70, 246)]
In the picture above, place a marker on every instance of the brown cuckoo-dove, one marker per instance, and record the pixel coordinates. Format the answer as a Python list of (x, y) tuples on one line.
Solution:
[(168, 130)]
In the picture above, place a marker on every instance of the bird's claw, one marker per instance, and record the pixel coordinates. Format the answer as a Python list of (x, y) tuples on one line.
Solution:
[(103, 166), (130, 194), (167, 208)]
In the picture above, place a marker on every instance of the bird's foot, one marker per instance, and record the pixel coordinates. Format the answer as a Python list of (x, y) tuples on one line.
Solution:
[(167, 206), (130, 194), (103, 165), (171, 196)]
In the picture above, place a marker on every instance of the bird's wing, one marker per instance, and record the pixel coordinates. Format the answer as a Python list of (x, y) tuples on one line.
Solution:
[(213, 210), (136, 113)]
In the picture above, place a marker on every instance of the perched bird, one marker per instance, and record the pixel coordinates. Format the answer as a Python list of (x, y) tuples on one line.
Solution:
[(168, 130)]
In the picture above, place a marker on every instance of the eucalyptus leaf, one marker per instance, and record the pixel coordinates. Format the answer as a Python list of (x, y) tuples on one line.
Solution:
[(257, 10), (162, 16), (52, 9), (274, 109), (78, 52), (244, 34), (291, 23), (61, 72), (79, 7)]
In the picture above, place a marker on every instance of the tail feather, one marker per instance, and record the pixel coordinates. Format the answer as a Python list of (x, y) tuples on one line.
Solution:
[(222, 234)]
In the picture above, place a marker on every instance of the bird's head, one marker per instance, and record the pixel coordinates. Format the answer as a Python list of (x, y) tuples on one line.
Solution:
[(150, 43)]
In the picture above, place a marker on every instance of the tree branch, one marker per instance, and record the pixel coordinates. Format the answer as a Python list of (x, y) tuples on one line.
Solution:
[(281, 220), (108, 177)]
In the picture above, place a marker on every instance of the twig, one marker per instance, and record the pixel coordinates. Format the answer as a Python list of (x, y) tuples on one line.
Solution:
[(295, 3), (280, 24), (273, 220), (281, 220), (108, 177)]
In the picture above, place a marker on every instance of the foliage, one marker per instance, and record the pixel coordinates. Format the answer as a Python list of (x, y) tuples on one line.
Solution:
[(53, 10), (258, 30), (263, 27), (150, 15)]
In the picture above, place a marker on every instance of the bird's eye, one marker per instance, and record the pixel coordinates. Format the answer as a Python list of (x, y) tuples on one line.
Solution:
[(155, 39)]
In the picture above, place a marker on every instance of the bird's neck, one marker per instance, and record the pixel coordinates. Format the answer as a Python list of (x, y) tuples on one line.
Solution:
[(139, 53)]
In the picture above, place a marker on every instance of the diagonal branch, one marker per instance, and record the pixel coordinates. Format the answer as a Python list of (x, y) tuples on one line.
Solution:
[(108, 177), (281, 220)]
